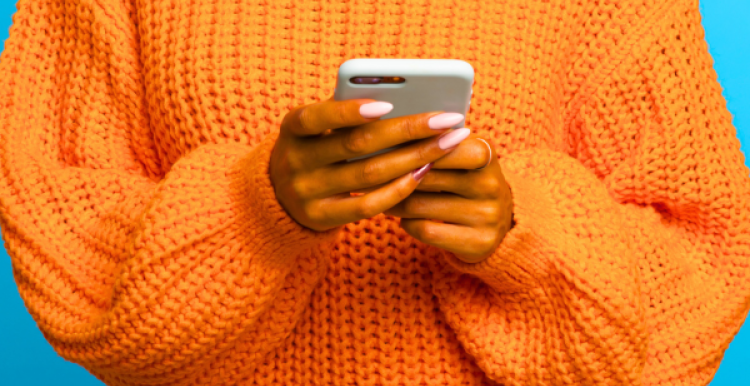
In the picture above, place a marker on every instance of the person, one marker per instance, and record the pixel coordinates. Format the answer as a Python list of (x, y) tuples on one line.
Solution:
[(177, 212)]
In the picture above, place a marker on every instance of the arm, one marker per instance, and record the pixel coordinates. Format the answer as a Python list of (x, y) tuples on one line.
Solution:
[(141, 276), (628, 262)]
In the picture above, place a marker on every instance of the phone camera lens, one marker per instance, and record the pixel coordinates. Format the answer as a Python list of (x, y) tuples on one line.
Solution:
[(366, 80)]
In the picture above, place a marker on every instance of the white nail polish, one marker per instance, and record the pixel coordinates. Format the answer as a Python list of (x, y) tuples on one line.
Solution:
[(375, 109), (453, 138), (445, 120)]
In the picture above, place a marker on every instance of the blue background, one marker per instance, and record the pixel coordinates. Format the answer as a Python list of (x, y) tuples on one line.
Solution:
[(27, 359)]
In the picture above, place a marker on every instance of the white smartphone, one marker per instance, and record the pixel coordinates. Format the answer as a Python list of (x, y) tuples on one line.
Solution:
[(413, 86)]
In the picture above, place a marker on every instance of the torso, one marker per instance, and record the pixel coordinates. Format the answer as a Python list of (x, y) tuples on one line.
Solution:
[(373, 318)]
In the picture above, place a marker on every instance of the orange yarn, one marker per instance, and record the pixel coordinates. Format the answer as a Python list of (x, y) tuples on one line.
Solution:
[(148, 245)]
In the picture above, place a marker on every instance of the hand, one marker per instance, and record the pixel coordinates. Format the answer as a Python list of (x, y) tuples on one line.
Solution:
[(475, 205), (312, 178)]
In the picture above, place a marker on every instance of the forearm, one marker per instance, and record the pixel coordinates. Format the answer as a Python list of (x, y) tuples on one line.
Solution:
[(567, 259), (208, 247)]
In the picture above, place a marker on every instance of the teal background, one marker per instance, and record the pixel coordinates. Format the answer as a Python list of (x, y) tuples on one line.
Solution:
[(27, 359)]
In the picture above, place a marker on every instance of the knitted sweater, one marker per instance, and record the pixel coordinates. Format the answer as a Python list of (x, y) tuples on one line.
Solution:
[(148, 244)]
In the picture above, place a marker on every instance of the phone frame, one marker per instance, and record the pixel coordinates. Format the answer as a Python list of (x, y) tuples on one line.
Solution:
[(430, 85)]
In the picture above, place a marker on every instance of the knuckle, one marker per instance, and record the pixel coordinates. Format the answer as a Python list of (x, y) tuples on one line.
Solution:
[(423, 154), (486, 243), (410, 205), (425, 232), (289, 120), (488, 213), (410, 128), (295, 160), (369, 173), (314, 211), (306, 120), (482, 245), (355, 141), (300, 187), (489, 186), (366, 209), (338, 114)]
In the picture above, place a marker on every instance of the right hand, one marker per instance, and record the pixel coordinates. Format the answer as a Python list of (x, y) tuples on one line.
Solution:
[(313, 180)]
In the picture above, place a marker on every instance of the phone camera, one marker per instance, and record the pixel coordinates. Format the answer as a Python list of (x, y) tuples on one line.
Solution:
[(366, 80), (377, 79)]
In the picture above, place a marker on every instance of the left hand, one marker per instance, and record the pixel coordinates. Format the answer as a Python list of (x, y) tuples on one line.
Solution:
[(474, 207)]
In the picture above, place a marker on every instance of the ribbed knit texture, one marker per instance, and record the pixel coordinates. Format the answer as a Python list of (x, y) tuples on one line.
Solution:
[(147, 242)]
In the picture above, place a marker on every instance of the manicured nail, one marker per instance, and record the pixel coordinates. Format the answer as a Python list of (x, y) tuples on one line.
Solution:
[(375, 109), (444, 120), (453, 138), (418, 174)]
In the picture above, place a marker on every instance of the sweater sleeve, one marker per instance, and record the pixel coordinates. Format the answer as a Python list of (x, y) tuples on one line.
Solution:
[(141, 278), (630, 257)]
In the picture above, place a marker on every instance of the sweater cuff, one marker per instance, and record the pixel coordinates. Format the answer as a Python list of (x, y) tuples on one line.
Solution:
[(521, 259), (253, 191)]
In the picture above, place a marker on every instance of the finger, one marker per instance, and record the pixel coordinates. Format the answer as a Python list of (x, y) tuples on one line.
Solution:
[(449, 208), (469, 244), (317, 118), (470, 184), (471, 154), (362, 174), (349, 209), (371, 189), (378, 135)]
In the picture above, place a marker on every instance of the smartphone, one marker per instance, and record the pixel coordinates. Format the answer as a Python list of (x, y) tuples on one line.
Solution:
[(413, 86)]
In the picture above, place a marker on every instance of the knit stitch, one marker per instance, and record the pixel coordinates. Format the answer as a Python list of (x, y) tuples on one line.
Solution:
[(147, 242)]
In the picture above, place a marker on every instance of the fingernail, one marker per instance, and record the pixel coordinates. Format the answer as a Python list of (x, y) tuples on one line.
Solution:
[(418, 174), (444, 120), (453, 138), (375, 109)]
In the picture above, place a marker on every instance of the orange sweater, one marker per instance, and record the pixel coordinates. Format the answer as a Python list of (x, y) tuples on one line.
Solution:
[(148, 245)]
